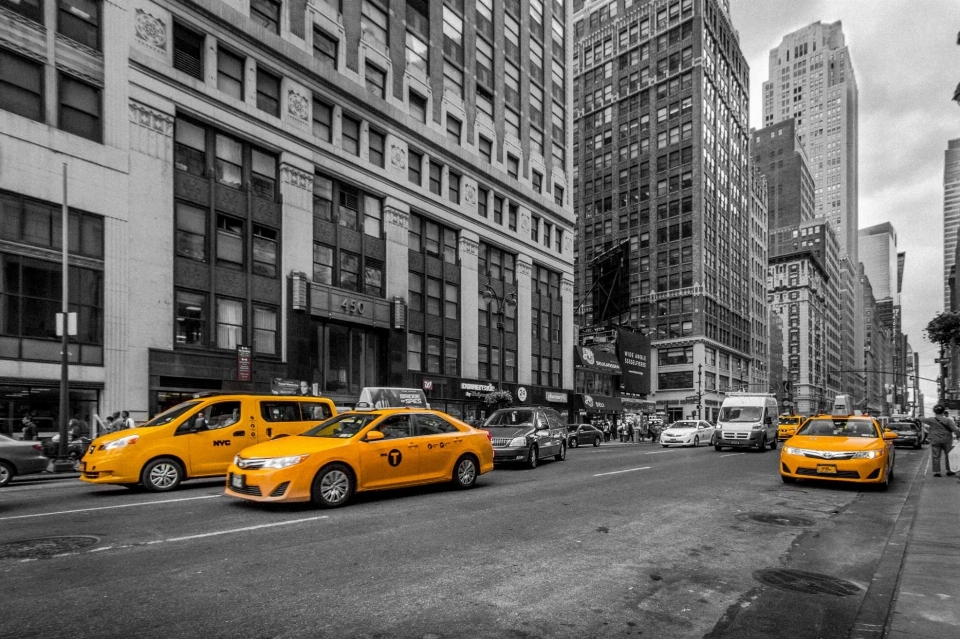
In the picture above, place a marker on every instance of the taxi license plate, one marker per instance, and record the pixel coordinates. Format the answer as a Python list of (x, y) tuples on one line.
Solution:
[(236, 481), (826, 470)]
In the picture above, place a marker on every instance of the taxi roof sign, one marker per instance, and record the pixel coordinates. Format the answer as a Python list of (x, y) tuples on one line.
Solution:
[(380, 397), (843, 406)]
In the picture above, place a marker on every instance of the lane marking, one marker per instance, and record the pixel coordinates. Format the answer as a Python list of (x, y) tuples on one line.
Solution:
[(87, 510), (732, 454), (617, 472), (658, 452)]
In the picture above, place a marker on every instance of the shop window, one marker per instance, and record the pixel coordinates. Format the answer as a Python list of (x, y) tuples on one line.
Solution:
[(229, 323), (80, 108), (191, 318), (79, 20)]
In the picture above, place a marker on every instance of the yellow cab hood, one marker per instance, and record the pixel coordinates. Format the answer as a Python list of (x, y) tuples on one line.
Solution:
[(827, 442), (295, 445), (126, 432)]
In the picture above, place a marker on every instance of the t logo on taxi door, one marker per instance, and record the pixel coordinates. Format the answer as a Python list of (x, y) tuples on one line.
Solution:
[(394, 457)]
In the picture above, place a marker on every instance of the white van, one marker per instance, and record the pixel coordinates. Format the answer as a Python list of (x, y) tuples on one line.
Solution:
[(748, 420)]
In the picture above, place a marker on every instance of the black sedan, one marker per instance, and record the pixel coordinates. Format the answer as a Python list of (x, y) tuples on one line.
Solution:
[(583, 434), (909, 433)]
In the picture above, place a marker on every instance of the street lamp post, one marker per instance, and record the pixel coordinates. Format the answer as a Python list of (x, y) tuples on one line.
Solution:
[(503, 303), (699, 391)]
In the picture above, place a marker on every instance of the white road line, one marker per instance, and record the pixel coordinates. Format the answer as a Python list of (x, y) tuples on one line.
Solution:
[(247, 529), (732, 454), (87, 510), (617, 472), (657, 452)]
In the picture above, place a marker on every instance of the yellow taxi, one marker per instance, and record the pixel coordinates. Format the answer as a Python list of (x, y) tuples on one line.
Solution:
[(359, 451), (788, 426), (850, 448), (198, 438)]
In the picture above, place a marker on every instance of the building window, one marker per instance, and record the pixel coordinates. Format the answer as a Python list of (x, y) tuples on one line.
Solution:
[(266, 13), (451, 357), (229, 163), (268, 92), (558, 236), (512, 211), (486, 149), (373, 24), (21, 86), (547, 232), (418, 106), (534, 228), (451, 301), (453, 34), (415, 167), (558, 195), (351, 135), (453, 181), (188, 48), (513, 166), (264, 330), (454, 127), (537, 179), (230, 73), (30, 9), (229, 241), (432, 239), (372, 216), (191, 318), (496, 263), (484, 100), (322, 120), (349, 271), (482, 196), (498, 210), (376, 79), (452, 79), (434, 355), (325, 49), (263, 178), (416, 292), (265, 251), (417, 52), (414, 352), (191, 237), (376, 145), (323, 264), (80, 20), (436, 177), (229, 323), (79, 108)]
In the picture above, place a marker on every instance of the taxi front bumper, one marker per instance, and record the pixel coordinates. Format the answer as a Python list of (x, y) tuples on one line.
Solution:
[(109, 468), (869, 471), (739, 438), (269, 485)]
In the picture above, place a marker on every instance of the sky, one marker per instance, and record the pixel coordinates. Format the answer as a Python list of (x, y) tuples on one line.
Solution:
[(907, 64)]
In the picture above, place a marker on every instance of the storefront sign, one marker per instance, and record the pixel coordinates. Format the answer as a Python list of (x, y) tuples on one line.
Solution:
[(244, 364), (600, 404), (596, 360), (355, 308), (522, 394), (556, 398), (280, 386), (427, 385), (480, 388), (633, 350)]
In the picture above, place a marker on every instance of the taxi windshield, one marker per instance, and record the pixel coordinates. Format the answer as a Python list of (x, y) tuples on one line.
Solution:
[(839, 428), (684, 425), (741, 413), (509, 418), (342, 426), (169, 415), (789, 420)]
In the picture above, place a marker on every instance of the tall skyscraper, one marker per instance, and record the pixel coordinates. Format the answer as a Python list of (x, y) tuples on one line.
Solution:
[(661, 163), (811, 79), (883, 265), (951, 213)]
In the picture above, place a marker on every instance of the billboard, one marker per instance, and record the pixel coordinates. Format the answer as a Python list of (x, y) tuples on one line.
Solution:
[(633, 350)]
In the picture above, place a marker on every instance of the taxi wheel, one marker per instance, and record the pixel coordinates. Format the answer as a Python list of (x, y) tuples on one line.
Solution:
[(533, 457), (596, 442), (696, 441), (563, 452), (762, 446), (465, 472), (788, 480), (161, 475), (918, 445), (333, 486), (773, 444)]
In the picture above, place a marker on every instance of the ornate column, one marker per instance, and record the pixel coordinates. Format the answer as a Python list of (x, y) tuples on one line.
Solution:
[(296, 189), (396, 215), (524, 272), (469, 303)]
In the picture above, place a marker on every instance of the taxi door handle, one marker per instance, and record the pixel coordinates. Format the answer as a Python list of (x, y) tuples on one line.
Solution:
[(239, 433)]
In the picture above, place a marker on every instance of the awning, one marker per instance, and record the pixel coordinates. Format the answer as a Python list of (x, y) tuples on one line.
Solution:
[(597, 361), (599, 403)]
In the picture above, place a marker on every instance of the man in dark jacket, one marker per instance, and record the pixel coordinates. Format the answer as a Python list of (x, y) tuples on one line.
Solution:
[(942, 432)]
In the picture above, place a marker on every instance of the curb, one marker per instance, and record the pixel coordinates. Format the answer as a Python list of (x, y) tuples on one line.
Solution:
[(873, 618)]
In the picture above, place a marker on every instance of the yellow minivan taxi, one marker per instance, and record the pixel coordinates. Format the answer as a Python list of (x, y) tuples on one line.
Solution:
[(788, 426), (359, 451), (198, 438)]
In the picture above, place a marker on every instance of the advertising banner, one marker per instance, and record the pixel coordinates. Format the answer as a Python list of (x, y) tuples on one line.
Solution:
[(633, 350), (596, 360)]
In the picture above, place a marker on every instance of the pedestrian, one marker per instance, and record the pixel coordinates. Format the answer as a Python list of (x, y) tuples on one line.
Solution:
[(942, 432), (108, 425), (29, 427), (73, 429), (126, 420), (630, 432)]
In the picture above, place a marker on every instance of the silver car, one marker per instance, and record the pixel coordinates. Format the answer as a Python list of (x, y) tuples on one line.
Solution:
[(687, 432), (20, 458)]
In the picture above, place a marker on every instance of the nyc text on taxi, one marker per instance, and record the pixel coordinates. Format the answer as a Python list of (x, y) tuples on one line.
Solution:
[(839, 448), (360, 451), (198, 438)]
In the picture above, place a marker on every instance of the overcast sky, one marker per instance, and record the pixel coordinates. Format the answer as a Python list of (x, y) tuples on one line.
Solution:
[(907, 65)]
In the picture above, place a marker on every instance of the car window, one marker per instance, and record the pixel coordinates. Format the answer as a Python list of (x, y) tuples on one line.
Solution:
[(314, 410), (280, 411), (396, 426), (741, 414), (214, 417), (554, 420), (510, 418), (171, 414), (839, 428), (434, 425)]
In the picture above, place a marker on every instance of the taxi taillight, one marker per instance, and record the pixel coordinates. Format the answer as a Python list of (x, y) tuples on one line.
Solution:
[(38, 448), (489, 435)]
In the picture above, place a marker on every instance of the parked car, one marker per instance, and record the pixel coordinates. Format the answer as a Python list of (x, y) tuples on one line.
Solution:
[(578, 434), (527, 434), (909, 433), (20, 458), (687, 432)]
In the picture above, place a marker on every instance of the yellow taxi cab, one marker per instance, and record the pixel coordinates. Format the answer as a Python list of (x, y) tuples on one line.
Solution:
[(840, 447), (360, 451), (198, 438), (788, 426)]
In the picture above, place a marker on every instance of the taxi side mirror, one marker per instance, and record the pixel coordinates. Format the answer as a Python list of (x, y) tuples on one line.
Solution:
[(889, 434), (374, 436)]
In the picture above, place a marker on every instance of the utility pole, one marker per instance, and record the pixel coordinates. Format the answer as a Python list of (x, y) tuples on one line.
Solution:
[(699, 391)]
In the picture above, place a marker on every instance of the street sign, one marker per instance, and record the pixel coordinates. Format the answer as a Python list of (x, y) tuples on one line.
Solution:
[(692, 398)]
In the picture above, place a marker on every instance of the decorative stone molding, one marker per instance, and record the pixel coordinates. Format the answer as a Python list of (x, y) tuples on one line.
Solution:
[(150, 118), (298, 105), (566, 286), (295, 177), (567, 243), (397, 217), (468, 246), (470, 194), (22, 50), (398, 157), (151, 31), (524, 220), (524, 269)]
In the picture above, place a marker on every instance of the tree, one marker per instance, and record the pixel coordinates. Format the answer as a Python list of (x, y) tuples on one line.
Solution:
[(497, 399), (944, 329)]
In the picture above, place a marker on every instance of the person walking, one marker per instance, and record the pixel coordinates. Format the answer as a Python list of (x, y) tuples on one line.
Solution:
[(942, 432), (126, 421), (29, 427), (630, 431)]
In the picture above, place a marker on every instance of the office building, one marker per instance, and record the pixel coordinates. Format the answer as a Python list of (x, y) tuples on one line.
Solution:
[(883, 265), (266, 193), (951, 213)]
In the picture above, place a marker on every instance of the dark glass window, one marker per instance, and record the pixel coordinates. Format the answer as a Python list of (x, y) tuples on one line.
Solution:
[(188, 48), (351, 135), (377, 144), (30, 9), (376, 79), (453, 181), (415, 167), (80, 108), (21, 86), (324, 49), (190, 150), (322, 120), (418, 106), (80, 20), (191, 232), (454, 127), (268, 92), (230, 73), (265, 251), (323, 264), (191, 317), (265, 330), (229, 241), (513, 166), (436, 177), (266, 13), (263, 177), (486, 149)]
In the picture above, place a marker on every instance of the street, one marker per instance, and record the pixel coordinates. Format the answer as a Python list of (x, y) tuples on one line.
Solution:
[(616, 541)]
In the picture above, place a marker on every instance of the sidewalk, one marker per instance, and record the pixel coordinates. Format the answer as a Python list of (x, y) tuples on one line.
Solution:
[(927, 600)]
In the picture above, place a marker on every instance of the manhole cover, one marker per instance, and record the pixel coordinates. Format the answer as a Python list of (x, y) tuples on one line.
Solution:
[(812, 583), (778, 519), (44, 547)]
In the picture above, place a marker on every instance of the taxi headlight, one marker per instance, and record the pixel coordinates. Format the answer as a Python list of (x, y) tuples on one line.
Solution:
[(792, 450), (284, 462), (518, 441), (120, 443), (867, 454)]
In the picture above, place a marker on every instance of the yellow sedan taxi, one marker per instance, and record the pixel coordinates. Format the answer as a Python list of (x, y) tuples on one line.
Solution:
[(850, 448), (360, 451), (789, 424)]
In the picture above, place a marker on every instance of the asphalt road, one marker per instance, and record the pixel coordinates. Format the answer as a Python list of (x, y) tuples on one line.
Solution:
[(616, 541)]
